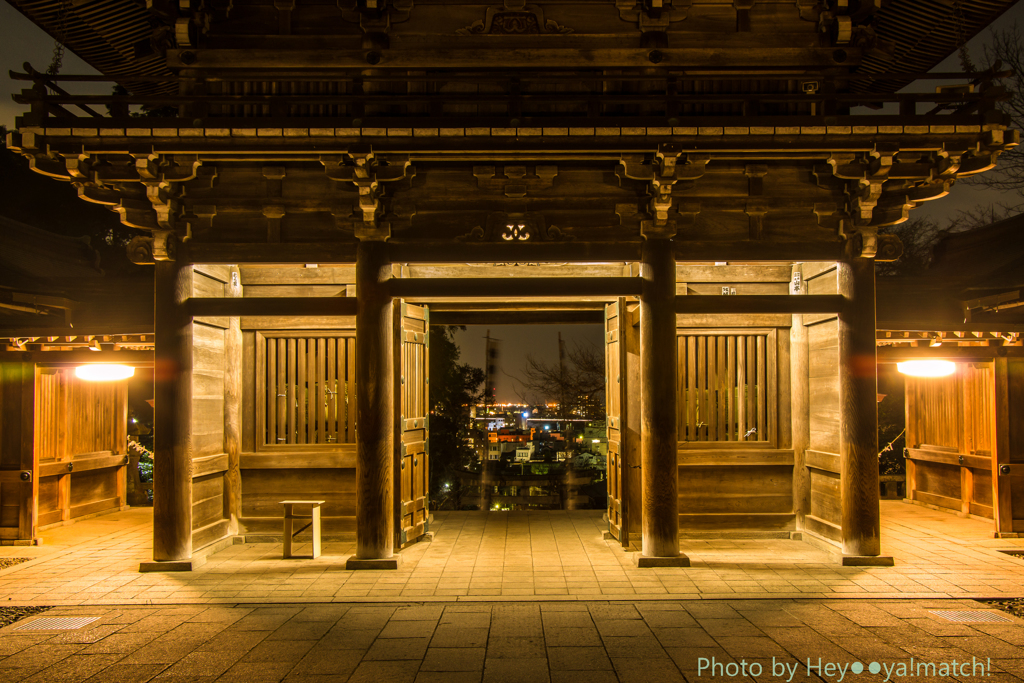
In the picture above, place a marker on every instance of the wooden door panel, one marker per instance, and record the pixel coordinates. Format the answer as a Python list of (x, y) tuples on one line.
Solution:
[(616, 400), (412, 424)]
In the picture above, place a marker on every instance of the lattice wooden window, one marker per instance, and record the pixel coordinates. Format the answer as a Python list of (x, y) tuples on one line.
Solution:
[(306, 389), (727, 385)]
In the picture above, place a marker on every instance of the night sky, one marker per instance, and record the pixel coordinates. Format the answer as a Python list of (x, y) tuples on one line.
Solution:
[(22, 41)]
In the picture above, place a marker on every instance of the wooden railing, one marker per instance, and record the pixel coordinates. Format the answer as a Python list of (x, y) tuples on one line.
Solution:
[(521, 99)]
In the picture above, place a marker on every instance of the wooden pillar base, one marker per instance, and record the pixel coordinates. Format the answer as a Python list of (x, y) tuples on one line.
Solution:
[(172, 565), (868, 561), (393, 562), (643, 561)]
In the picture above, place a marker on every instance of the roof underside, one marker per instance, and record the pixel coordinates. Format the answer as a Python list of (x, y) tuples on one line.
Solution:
[(104, 34), (107, 34), (924, 32)]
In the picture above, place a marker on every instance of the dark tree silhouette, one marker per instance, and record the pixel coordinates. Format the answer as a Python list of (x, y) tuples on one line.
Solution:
[(454, 387)]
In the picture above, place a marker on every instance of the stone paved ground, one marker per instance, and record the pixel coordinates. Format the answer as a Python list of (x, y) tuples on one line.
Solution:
[(515, 556), (534, 642)]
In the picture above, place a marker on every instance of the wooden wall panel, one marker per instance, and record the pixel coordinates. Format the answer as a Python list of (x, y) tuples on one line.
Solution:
[(938, 418), (9, 505), (950, 425), (49, 503), (18, 518), (736, 490), (207, 500), (210, 514), (93, 417), (823, 382), (93, 491), (825, 498), (264, 489)]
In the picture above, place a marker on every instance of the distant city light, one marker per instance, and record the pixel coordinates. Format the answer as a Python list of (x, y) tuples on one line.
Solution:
[(526, 413), (597, 440)]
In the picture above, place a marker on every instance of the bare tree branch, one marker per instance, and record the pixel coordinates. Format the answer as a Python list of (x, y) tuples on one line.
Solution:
[(577, 385), (1007, 48)]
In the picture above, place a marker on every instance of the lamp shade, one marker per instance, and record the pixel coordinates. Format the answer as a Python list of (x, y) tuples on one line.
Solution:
[(927, 368), (103, 372)]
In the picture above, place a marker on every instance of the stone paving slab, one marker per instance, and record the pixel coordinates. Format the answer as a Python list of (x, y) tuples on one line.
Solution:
[(512, 557), (591, 642)]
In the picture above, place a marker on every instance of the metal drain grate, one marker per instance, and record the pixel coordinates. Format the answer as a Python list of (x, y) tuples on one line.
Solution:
[(55, 624), (972, 616)]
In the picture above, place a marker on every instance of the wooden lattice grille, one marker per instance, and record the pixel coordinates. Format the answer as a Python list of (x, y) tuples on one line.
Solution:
[(310, 390), (727, 386)]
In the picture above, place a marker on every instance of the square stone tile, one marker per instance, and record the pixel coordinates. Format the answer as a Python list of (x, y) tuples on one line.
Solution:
[(578, 659), (395, 649), (525, 670), (454, 659)]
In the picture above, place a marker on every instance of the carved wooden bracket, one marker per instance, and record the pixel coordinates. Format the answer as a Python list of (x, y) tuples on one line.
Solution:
[(162, 246), (367, 172), (661, 174), (867, 243), (515, 181), (653, 15), (375, 16)]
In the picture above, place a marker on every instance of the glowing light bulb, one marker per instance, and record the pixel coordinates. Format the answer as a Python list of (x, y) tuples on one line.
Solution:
[(104, 372), (927, 368)]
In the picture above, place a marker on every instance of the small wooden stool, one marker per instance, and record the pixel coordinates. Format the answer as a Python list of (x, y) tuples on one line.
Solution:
[(289, 521)]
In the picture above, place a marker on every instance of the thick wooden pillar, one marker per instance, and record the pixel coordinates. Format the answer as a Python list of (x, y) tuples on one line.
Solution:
[(858, 429), (1008, 374), (172, 437), (375, 453), (659, 445)]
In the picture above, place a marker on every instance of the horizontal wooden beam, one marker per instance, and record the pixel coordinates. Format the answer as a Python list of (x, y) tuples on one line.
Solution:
[(463, 53), (748, 251), (737, 251), (769, 303), (264, 306), (472, 287), (137, 359), (516, 317), (963, 354), (518, 252), (238, 253)]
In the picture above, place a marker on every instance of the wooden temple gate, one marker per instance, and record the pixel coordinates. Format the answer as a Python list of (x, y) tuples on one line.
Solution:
[(310, 174)]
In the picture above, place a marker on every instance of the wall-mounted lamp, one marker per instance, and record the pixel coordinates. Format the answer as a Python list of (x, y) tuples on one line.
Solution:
[(104, 372), (927, 368)]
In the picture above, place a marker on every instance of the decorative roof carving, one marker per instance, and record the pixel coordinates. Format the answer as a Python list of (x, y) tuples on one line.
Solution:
[(514, 18)]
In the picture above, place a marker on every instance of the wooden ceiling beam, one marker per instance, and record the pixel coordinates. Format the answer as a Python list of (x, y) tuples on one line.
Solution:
[(962, 354), (753, 304), (79, 357), (454, 56), (738, 251), (516, 317)]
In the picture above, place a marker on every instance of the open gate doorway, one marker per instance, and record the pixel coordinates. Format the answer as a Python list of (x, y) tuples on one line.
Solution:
[(537, 437)]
